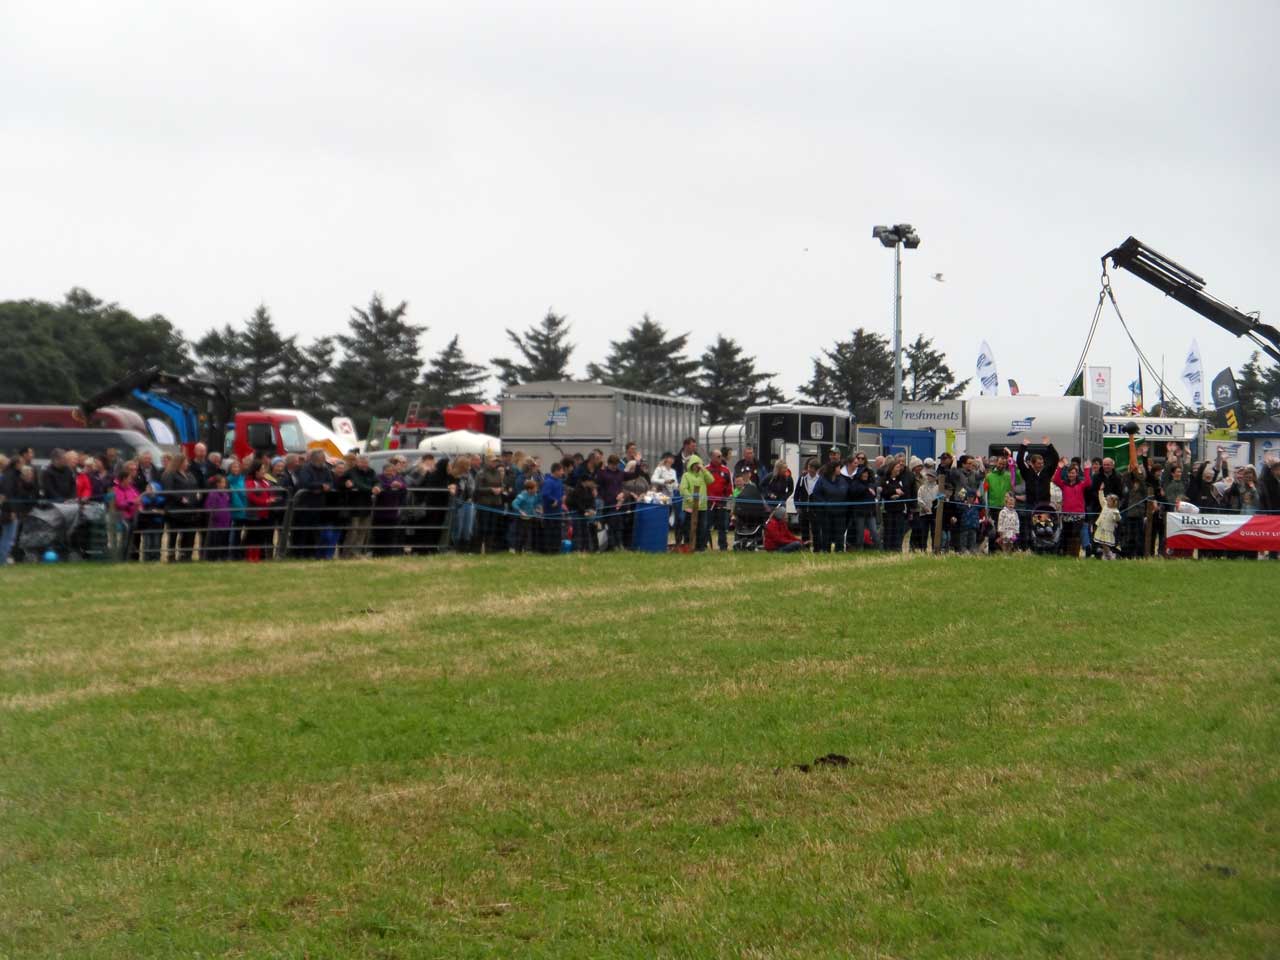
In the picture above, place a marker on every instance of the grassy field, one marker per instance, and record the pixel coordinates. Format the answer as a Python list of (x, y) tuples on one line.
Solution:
[(565, 757)]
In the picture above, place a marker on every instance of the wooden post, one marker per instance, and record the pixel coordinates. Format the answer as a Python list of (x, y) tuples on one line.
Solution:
[(937, 524)]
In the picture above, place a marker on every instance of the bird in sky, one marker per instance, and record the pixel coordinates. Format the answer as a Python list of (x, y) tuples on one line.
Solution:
[(939, 278)]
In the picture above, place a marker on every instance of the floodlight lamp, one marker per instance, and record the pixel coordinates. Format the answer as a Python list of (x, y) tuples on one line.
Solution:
[(878, 232), (911, 241)]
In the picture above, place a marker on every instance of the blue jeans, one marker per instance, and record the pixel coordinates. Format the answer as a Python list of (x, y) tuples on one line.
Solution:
[(720, 524), (861, 521), (464, 523), (8, 536), (790, 547)]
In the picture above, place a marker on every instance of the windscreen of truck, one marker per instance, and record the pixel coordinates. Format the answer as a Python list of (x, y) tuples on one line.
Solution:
[(291, 435)]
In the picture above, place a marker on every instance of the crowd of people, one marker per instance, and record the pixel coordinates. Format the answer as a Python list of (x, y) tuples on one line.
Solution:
[(221, 509)]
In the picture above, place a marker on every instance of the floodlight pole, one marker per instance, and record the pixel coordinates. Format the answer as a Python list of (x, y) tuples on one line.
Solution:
[(897, 335)]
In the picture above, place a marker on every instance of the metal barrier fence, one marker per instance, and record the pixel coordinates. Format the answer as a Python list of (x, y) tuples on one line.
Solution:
[(291, 525)]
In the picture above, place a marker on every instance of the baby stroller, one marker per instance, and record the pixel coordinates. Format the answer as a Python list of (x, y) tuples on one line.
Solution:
[(1046, 530), (749, 516)]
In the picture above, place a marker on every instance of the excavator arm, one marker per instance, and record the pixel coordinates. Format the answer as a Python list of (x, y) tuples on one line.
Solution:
[(1187, 288), (180, 391)]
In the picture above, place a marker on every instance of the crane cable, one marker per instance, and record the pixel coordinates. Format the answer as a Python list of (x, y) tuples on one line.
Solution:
[(1142, 357), (1093, 328)]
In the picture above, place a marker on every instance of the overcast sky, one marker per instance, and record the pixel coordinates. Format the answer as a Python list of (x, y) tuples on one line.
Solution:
[(716, 165)]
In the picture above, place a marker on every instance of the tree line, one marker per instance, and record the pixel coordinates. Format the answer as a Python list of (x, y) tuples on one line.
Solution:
[(63, 352)]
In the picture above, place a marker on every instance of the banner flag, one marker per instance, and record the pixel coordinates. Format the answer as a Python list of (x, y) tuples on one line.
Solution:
[(1251, 533), (987, 375), (1226, 397), (1076, 389), (1193, 376)]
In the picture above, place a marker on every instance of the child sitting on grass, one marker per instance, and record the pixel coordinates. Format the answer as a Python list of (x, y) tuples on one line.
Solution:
[(778, 537)]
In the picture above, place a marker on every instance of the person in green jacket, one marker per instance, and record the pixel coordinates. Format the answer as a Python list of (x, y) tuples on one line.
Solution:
[(693, 490)]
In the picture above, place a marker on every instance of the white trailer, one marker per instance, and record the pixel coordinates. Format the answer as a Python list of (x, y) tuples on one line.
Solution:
[(1075, 425), (720, 436), (553, 419)]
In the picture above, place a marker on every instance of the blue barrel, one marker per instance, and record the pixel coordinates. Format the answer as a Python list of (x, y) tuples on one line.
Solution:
[(651, 530)]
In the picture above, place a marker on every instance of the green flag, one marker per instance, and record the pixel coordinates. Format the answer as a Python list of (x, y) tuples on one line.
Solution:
[(1077, 386)]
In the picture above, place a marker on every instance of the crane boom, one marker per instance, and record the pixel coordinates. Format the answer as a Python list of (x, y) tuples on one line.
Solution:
[(1187, 288)]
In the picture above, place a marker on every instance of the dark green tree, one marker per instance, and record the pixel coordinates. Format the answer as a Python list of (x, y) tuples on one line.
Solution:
[(381, 362), (926, 375), (544, 353), (647, 360), (308, 379), (853, 375), (451, 379), (220, 358), (1259, 388), (62, 352), (263, 354), (727, 382)]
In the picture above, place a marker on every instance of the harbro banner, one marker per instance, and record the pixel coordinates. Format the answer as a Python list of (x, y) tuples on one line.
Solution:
[(1223, 531)]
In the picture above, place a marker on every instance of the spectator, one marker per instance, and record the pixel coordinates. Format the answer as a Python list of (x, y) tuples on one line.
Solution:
[(148, 473), (922, 525), (688, 449), (1108, 521), (217, 505), (636, 485), (720, 498), (182, 515), (526, 506), (969, 519), (9, 473), (259, 500), (898, 494), (337, 516), (1008, 526), (551, 494), (126, 501), (581, 501), (149, 523), (388, 536), (1037, 474), (611, 479), (664, 473), (1074, 491), (314, 481), (488, 503), (693, 497), (364, 487), (861, 523), (24, 493), (778, 537), (239, 501), (833, 506), (462, 487), (748, 466), (779, 487), (58, 480), (803, 498), (1134, 513), (997, 483)]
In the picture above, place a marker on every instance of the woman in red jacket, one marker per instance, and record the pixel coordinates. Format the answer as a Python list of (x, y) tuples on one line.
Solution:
[(257, 520), (1067, 478)]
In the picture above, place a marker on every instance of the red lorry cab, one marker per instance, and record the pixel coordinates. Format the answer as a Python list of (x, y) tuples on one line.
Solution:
[(261, 432)]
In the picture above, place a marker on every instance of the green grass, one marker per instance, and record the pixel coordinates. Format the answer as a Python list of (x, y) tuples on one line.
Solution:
[(564, 757)]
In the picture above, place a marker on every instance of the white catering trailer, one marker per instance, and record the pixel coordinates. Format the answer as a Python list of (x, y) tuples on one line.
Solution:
[(1075, 425), (557, 418)]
